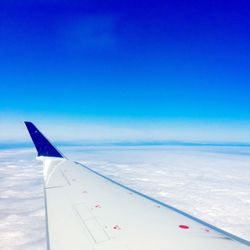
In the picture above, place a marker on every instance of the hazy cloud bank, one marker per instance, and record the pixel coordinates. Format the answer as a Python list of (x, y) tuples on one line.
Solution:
[(101, 130)]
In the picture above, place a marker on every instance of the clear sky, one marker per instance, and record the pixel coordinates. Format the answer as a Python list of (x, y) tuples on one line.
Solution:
[(119, 61)]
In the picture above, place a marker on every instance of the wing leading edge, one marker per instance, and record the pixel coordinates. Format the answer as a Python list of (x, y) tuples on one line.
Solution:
[(86, 210)]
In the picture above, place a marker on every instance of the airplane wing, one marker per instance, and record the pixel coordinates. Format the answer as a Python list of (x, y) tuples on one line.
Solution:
[(88, 211)]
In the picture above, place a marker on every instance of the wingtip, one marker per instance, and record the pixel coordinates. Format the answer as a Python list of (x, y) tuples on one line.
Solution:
[(42, 144), (28, 123)]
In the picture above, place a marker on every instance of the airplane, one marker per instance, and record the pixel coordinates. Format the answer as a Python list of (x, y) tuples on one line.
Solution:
[(86, 210)]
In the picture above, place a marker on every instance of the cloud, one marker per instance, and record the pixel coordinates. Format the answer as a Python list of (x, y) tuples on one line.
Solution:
[(22, 204), (211, 183)]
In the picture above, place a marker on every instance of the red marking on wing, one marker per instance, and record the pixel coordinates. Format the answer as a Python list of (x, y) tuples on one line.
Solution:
[(116, 227), (97, 206), (158, 206), (183, 226)]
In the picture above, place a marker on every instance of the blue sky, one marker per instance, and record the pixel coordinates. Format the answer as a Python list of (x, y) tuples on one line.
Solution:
[(120, 62)]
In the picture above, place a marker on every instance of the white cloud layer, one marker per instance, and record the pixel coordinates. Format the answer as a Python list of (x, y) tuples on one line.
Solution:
[(21, 201), (211, 183)]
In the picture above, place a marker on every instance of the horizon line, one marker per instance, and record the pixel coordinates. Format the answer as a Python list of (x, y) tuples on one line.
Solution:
[(121, 143)]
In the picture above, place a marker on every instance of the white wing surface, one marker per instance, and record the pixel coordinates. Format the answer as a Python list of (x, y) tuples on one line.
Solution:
[(88, 211)]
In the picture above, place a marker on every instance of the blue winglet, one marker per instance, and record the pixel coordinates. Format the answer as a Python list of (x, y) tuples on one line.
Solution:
[(43, 146)]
